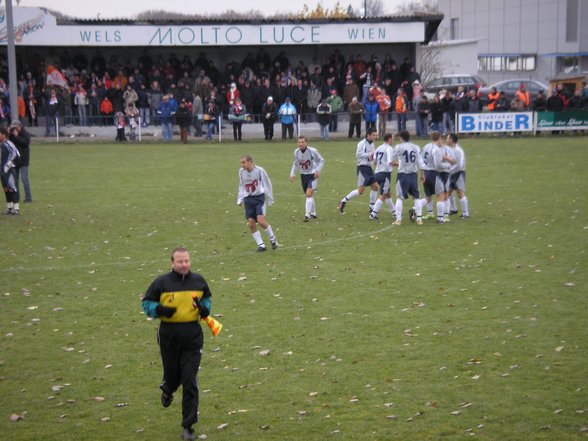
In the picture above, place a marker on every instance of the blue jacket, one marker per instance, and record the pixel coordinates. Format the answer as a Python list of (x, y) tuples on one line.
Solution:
[(166, 110), (287, 113), (371, 111)]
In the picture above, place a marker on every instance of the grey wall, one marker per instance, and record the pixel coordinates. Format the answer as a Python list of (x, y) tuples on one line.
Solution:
[(517, 27)]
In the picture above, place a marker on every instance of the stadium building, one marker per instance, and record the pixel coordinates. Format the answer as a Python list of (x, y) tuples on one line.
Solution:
[(503, 39), (41, 36)]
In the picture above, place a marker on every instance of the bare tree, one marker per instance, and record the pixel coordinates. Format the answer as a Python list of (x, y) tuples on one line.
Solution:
[(370, 8), (421, 6), (429, 62), (374, 8)]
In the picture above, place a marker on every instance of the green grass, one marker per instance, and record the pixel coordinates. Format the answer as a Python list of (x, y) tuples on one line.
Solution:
[(375, 332)]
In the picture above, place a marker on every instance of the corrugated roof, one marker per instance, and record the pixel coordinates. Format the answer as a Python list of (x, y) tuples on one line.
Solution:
[(398, 18)]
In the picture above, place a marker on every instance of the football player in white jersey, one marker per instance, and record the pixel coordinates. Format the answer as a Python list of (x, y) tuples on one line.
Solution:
[(254, 188), (443, 161), (429, 176), (364, 155), (407, 156), (309, 162), (457, 178), (383, 159)]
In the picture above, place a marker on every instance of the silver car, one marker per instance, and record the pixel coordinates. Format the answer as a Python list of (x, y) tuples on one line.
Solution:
[(509, 87), (452, 82)]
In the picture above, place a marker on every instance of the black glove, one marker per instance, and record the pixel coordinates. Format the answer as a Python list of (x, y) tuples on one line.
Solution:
[(165, 311), (204, 312)]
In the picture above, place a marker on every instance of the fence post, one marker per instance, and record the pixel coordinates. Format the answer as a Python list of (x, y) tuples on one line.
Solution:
[(220, 135), (56, 128)]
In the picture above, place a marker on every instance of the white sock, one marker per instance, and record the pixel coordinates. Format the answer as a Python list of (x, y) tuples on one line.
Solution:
[(440, 210), (377, 207), (308, 205), (270, 233), (452, 205), (351, 195), (373, 197), (313, 209), (16, 206), (390, 205), (464, 206), (398, 209), (258, 239), (430, 206), (418, 207)]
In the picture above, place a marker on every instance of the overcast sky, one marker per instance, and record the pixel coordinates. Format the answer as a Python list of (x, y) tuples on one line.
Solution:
[(129, 8)]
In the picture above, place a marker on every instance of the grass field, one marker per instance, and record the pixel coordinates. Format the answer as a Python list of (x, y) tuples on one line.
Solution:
[(473, 329)]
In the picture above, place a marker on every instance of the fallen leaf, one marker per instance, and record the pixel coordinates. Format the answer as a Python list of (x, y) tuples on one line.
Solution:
[(264, 352), (105, 419), (14, 417), (222, 426), (99, 399)]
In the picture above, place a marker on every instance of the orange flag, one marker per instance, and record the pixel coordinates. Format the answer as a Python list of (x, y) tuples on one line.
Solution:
[(55, 77)]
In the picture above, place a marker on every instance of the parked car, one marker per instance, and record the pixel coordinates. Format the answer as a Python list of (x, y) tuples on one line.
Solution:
[(509, 87), (452, 82)]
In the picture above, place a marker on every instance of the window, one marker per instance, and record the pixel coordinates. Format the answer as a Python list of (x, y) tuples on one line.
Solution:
[(454, 29), (507, 63), (572, 14), (568, 64)]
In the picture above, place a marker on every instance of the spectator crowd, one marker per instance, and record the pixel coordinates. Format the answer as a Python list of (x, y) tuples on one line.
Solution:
[(194, 93)]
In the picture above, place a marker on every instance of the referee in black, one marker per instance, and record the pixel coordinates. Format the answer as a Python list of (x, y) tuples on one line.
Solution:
[(180, 299)]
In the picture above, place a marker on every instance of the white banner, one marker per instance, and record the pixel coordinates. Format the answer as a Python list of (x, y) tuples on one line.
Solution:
[(35, 27), (493, 122)]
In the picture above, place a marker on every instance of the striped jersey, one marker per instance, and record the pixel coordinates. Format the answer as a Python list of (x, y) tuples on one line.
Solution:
[(254, 183), (383, 158), (428, 155), (409, 157), (365, 152), (460, 162), (443, 166), (308, 162)]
